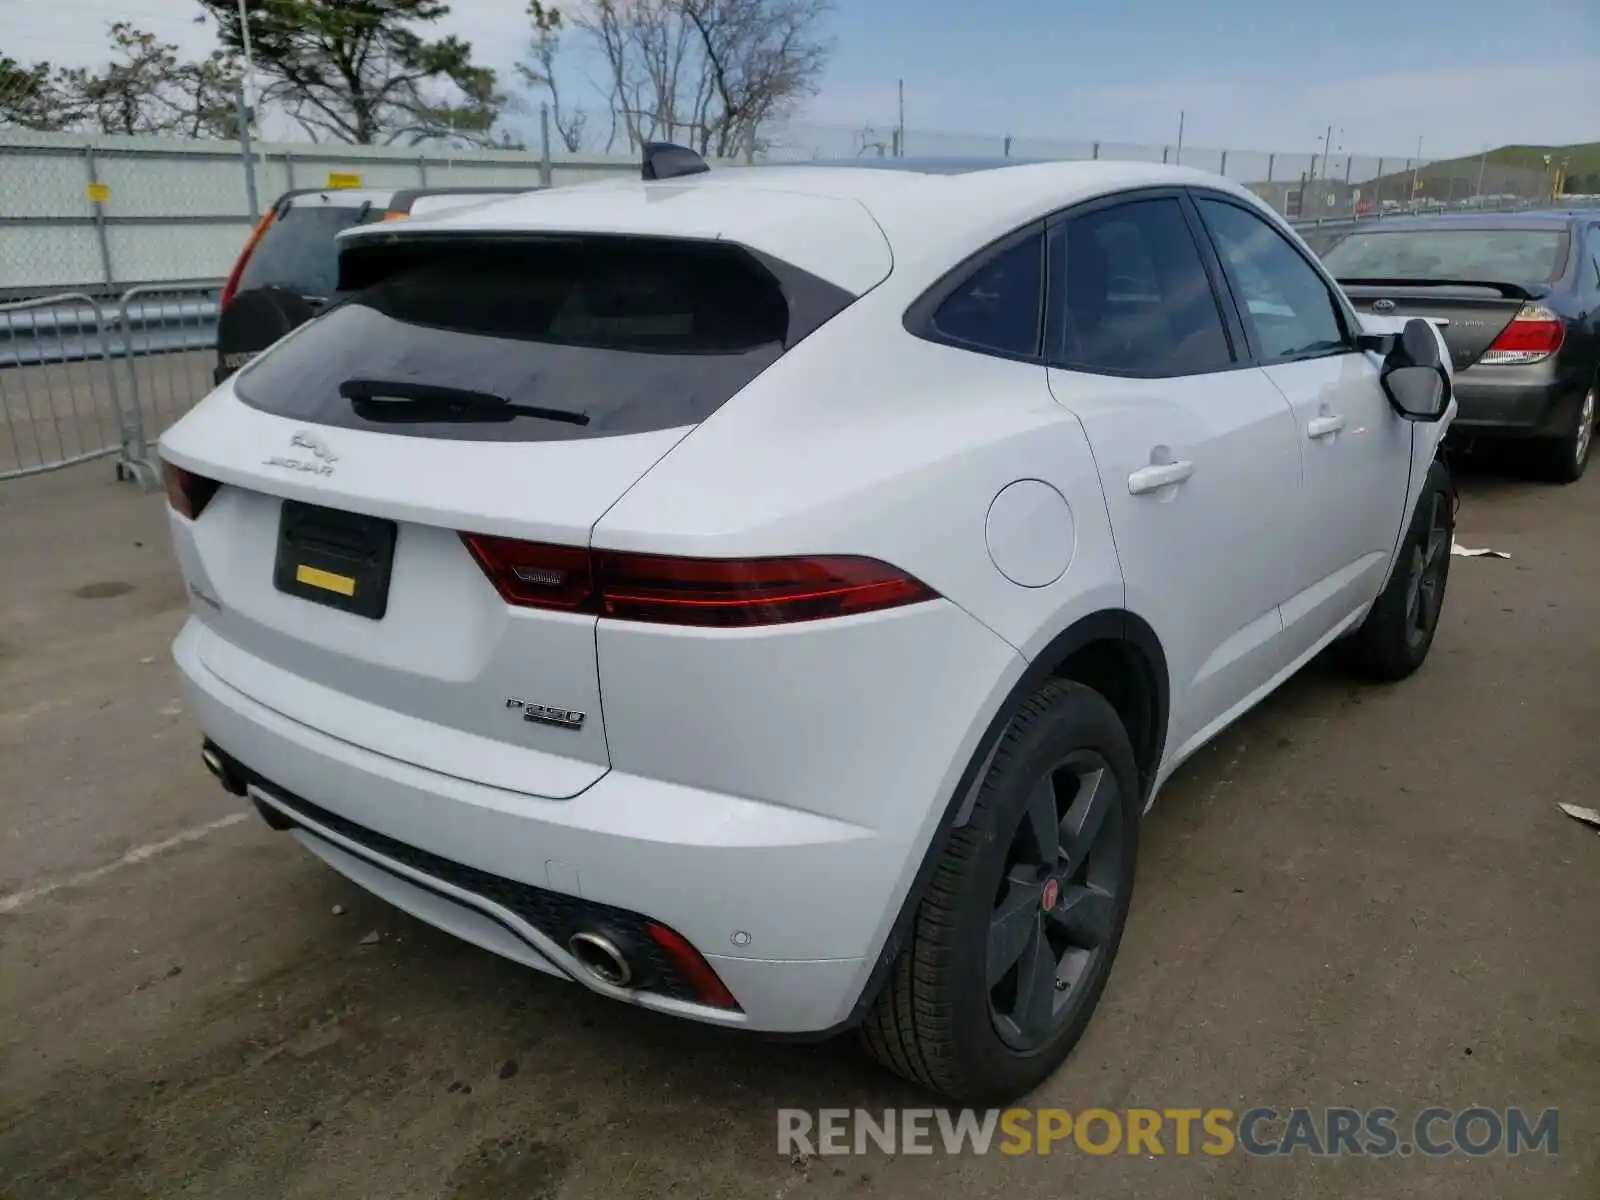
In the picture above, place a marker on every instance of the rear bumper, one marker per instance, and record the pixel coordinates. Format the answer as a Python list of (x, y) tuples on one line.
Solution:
[(731, 875), (1524, 404)]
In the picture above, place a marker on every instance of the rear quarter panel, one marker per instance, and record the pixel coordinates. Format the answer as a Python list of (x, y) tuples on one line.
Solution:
[(863, 440)]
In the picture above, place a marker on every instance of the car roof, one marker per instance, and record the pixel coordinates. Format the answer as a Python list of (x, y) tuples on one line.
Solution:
[(915, 166), (403, 198), (336, 197), (841, 222)]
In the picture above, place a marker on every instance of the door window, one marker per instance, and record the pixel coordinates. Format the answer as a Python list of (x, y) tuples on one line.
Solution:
[(1285, 302), (1129, 294)]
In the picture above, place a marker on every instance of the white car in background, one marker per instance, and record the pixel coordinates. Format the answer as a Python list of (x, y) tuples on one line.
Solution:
[(774, 596)]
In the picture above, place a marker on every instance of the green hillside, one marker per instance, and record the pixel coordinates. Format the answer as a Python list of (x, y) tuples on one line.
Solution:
[(1515, 170), (1582, 158)]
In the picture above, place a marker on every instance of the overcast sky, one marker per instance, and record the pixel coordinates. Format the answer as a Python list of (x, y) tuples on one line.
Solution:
[(1250, 74)]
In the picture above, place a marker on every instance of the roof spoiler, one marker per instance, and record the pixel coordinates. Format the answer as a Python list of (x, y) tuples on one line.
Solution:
[(1511, 291), (665, 160)]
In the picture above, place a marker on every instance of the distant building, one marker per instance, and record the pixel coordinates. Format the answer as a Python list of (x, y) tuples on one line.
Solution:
[(1300, 198)]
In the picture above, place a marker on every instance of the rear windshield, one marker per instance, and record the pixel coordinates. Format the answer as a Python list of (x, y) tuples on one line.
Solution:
[(1497, 255), (297, 250), (612, 336)]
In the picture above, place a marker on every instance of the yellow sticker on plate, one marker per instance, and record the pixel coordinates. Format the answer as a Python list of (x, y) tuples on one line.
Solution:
[(343, 179), (98, 193), (326, 580)]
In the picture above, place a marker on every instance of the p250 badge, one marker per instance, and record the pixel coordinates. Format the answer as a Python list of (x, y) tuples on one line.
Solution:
[(546, 714)]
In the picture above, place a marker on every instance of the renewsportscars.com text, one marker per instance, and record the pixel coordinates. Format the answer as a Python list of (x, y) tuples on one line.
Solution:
[(1323, 1132)]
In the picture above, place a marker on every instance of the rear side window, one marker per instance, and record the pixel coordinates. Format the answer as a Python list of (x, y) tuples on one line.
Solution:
[(297, 250), (533, 341), (996, 308), (1129, 294)]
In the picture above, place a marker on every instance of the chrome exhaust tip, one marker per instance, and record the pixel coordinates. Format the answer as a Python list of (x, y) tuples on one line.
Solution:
[(600, 957), (220, 771)]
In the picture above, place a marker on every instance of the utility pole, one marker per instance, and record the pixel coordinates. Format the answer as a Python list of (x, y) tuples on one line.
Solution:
[(249, 63), (1483, 161), (900, 140), (1415, 163), (1181, 116)]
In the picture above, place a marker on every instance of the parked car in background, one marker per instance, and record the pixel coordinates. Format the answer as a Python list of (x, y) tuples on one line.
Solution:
[(288, 267), (773, 597), (1520, 293)]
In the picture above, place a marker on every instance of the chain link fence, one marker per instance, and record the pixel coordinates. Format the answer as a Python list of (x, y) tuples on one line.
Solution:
[(1300, 186), (111, 248)]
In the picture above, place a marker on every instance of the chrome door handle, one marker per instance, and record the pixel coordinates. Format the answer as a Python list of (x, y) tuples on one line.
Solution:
[(1158, 475), (1321, 427)]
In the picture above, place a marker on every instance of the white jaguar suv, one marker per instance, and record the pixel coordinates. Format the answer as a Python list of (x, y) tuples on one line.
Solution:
[(773, 596)]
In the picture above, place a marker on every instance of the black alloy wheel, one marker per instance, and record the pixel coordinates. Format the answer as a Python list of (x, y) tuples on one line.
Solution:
[(1055, 906)]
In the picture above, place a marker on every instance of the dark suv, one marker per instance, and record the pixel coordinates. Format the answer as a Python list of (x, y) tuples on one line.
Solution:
[(288, 268)]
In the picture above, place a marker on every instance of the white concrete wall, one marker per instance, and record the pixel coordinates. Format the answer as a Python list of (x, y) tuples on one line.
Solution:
[(178, 209)]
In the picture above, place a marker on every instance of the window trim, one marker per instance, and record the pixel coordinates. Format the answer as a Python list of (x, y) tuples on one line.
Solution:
[(1231, 331), (919, 317), (1344, 314)]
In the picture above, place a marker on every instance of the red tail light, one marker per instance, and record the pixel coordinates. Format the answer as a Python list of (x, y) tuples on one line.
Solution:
[(534, 575), (756, 591), (187, 492), (1534, 335), (708, 989), (232, 285), (691, 591)]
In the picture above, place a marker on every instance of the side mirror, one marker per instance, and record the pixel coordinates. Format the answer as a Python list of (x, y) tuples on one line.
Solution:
[(1413, 375)]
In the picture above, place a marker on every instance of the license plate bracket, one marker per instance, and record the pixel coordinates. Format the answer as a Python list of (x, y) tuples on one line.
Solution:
[(339, 559)]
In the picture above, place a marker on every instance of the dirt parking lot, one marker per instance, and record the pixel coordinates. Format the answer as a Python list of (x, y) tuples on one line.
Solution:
[(1360, 896)]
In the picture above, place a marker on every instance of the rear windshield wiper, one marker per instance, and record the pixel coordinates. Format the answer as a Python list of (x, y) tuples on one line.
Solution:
[(406, 400)]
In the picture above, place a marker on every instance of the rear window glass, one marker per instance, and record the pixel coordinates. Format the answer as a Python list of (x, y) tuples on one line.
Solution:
[(1497, 255), (297, 250), (613, 336)]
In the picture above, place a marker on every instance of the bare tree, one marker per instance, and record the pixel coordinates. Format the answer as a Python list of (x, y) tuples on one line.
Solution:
[(540, 73), (710, 73), (761, 58)]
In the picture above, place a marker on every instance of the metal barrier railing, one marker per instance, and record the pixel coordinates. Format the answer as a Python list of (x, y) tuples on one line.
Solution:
[(167, 335), (60, 403)]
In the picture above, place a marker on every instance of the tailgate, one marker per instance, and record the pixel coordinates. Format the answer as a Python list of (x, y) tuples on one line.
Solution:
[(513, 391), (427, 677)]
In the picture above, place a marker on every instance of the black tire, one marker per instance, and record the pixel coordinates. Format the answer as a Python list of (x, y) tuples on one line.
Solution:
[(1395, 638), (939, 1020), (1565, 459)]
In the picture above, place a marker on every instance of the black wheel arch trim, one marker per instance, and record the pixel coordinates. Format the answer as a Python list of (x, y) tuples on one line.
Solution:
[(1107, 625)]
